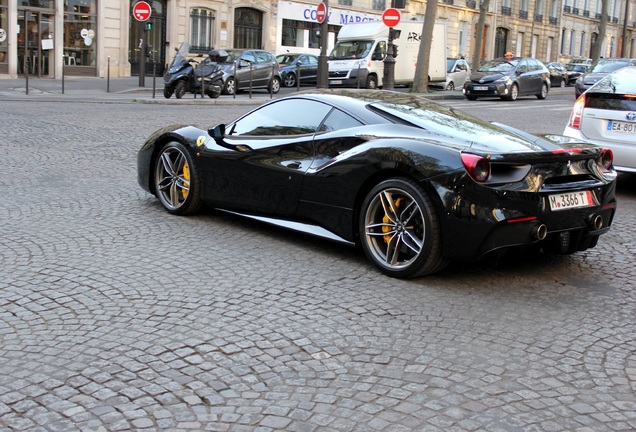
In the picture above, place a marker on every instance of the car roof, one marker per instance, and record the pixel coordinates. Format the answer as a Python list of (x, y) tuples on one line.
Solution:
[(623, 81)]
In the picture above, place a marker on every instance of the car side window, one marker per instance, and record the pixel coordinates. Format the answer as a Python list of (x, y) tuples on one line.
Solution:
[(287, 117), (249, 56), (261, 57), (522, 67), (338, 120), (312, 60)]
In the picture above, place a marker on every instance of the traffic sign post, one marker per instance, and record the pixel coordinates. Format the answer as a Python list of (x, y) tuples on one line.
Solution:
[(141, 12), (322, 16), (390, 18)]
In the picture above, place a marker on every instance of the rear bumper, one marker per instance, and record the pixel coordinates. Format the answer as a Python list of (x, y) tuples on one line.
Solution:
[(624, 153)]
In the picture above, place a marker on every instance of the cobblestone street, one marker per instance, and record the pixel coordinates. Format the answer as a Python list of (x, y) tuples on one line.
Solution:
[(115, 315)]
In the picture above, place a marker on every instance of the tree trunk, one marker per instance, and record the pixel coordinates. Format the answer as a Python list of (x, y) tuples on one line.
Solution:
[(602, 29), (420, 80), (483, 10)]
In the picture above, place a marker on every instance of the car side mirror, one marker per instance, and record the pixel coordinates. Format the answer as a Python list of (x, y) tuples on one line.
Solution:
[(217, 133)]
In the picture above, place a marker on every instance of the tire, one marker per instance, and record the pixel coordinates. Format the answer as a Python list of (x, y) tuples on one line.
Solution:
[(167, 92), (274, 85), (544, 91), (176, 180), (372, 82), (290, 80), (230, 86), (399, 230), (450, 86), (562, 83), (514, 93), (471, 98), (180, 89)]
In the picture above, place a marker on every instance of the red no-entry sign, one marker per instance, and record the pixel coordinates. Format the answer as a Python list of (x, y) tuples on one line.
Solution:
[(142, 11), (321, 13), (391, 17)]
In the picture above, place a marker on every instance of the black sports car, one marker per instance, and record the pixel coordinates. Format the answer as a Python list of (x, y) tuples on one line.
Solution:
[(414, 183)]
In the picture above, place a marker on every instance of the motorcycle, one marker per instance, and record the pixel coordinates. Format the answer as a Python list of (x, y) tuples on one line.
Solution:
[(187, 75)]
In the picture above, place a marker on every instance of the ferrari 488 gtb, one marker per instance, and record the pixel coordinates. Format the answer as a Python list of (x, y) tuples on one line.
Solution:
[(415, 184)]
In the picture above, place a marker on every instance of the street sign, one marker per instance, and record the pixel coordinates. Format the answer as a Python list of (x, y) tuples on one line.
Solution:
[(142, 11), (391, 17), (321, 13)]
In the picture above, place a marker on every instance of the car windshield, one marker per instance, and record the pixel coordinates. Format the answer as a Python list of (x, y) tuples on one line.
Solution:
[(449, 65), (498, 66), (233, 55), (348, 50), (284, 59), (576, 67), (607, 66)]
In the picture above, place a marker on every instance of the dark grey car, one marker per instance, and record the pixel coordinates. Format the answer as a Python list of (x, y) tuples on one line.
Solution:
[(250, 68), (293, 66), (509, 79), (601, 68)]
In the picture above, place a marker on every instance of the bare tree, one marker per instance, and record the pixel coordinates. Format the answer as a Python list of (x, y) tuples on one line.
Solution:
[(602, 29), (483, 10), (420, 80)]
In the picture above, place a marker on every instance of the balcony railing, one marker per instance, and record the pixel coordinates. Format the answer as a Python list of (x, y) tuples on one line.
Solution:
[(449, 2), (471, 4), (553, 20), (567, 9), (586, 13), (505, 10), (523, 14), (598, 16), (538, 18), (575, 11), (614, 20)]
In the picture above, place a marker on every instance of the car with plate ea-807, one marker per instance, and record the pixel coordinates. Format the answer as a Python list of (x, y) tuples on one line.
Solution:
[(509, 78), (414, 183), (606, 115)]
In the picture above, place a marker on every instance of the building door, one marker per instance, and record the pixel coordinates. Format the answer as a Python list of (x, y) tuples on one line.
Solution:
[(501, 42), (36, 51), (151, 34), (248, 28)]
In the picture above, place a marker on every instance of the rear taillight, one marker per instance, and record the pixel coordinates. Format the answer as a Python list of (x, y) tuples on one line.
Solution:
[(577, 113), (477, 167), (607, 159)]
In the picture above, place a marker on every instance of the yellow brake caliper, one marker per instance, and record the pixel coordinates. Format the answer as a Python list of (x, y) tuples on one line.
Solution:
[(186, 183), (386, 220)]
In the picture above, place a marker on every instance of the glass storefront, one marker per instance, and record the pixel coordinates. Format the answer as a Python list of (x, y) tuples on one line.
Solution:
[(36, 51), (152, 34), (80, 28), (4, 42)]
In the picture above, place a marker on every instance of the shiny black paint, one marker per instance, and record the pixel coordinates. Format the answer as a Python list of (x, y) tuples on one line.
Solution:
[(322, 179)]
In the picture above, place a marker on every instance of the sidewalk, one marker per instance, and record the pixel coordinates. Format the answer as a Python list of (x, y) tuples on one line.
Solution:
[(122, 90)]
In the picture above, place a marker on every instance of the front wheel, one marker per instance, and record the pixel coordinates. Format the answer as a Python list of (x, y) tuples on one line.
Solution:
[(167, 92), (544, 91), (180, 89), (399, 230), (230, 86), (372, 82), (450, 86), (514, 93), (176, 180), (290, 80)]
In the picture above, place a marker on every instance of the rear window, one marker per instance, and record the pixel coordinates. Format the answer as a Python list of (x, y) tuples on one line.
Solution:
[(611, 102)]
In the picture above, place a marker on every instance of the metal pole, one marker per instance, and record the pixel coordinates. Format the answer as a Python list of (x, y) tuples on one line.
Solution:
[(26, 50), (108, 76), (154, 77), (142, 56), (388, 78), (323, 65), (63, 67), (235, 81)]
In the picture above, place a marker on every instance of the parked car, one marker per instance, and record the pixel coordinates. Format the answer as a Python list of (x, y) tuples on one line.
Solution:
[(253, 68), (294, 65), (602, 67), (606, 115), (509, 79), (575, 70), (414, 183), (558, 74), (581, 60), (457, 73)]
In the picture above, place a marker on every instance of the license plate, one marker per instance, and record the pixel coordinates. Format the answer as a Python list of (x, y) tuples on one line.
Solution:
[(480, 88), (621, 127), (570, 200), (336, 82)]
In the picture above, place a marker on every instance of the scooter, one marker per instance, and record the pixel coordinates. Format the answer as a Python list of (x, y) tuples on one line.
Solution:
[(189, 75)]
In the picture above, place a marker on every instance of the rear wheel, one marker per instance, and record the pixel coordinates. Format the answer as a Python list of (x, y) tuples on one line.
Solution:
[(399, 231), (176, 180), (544, 91), (274, 85), (450, 86), (230, 86), (180, 89), (562, 83)]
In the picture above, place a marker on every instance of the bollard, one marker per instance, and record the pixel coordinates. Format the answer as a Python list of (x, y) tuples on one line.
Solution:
[(250, 81), (235, 80), (107, 76), (26, 72), (63, 67), (297, 77), (154, 77)]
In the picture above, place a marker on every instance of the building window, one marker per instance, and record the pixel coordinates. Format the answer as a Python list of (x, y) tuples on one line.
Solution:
[(582, 49), (572, 37), (345, 2), (564, 34), (201, 30), (379, 4), (248, 28), (80, 28)]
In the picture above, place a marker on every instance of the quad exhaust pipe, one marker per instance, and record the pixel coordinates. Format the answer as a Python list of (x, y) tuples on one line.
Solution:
[(539, 232)]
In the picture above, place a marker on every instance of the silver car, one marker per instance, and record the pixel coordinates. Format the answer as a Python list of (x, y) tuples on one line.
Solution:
[(606, 115), (457, 72)]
